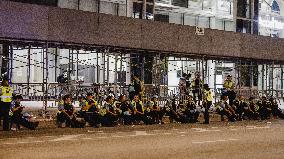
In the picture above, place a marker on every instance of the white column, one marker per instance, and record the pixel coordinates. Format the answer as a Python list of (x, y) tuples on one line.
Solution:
[(128, 69), (211, 72)]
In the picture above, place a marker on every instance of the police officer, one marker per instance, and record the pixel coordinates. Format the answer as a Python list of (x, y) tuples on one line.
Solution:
[(229, 87), (17, 116), (111, 117), (276, 111), (126, 109), (239, 107), (91, 111), (264, 108), (197, 88), (191, 110), (138, 110), (224, 109), (182, 85), (207, 102), (6, 98), (254, 108), (66, 112), (156, 112)]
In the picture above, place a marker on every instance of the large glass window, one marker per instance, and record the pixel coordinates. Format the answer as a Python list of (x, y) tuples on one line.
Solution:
[(175, 18), (180, 3), (190, 20)]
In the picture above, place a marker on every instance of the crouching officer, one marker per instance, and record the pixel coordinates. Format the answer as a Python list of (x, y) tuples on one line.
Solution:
[(224, 109), (126, 109), (67, 114), (264, 108), (239, 107), (6, 98), (254, 108), (156, 112), (17, 116), (276, 111), (111, 117), (191, 111), (138, 108), (90, 111)]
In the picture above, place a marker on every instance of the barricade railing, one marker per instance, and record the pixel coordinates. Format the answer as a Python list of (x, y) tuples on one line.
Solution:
[(35, 91)]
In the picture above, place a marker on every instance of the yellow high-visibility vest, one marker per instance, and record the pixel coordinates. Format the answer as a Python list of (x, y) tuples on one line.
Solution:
[(88, 106), (133, 103), (208, 95), (6, 94), (228, 84)]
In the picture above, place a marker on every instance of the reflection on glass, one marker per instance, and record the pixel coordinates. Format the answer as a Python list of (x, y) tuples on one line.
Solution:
[(243, 26)]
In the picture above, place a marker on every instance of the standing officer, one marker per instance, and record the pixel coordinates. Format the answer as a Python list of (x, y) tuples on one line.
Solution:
[(207, 102), (229, 87), (6, 99), (197, 88)]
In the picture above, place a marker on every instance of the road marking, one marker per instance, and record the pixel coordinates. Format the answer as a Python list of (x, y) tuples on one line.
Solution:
[(166, 133), (156, 130), (101, 137), (213, 141), (30, 137), (256, 127), (8, 143), (48, 136), (206, 130), (117, 136), (87, 138), (23, 142), (67, 137), (182, 132)]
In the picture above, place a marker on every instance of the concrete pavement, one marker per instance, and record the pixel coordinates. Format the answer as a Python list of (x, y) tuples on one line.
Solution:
[(259, 141)]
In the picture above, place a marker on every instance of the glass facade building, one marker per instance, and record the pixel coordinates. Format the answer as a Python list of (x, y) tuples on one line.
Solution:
[(258, 17)]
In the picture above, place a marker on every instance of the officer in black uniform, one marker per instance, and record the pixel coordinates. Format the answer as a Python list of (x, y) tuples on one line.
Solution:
[(90, 111), (138, 110), (276, 111), (112, 116), (191, 111), (17, 116), (126, 110), (197, 88), (264, 108), (239, 107), (254, 108), (67, 111), (224, 109)]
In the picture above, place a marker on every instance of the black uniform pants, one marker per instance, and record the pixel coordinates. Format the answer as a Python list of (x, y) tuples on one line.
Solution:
[(264, 113), (64, 118), (5, 108), (19, 120), (207, 105), (92, 118)]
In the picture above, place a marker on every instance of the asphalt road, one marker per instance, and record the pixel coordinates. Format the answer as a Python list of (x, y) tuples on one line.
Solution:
[(253, 140)]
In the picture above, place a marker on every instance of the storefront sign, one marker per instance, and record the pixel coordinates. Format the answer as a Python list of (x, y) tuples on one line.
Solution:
[(199, 31)]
